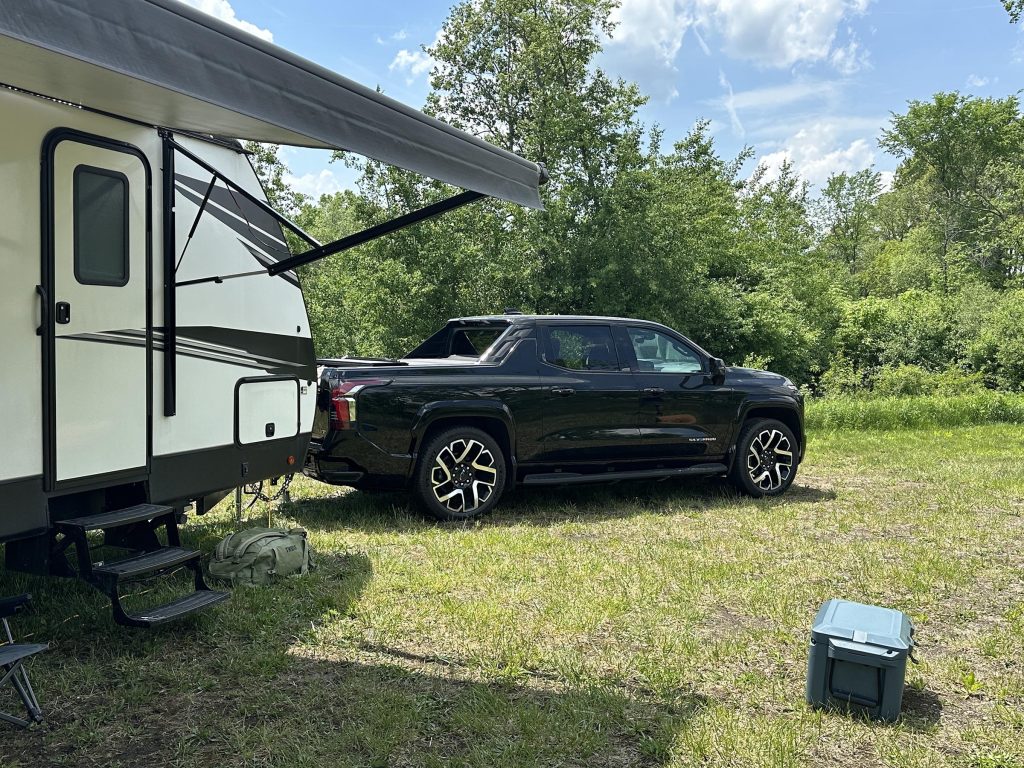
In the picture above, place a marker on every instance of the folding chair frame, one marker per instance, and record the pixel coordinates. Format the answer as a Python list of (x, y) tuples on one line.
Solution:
[(15, 672)]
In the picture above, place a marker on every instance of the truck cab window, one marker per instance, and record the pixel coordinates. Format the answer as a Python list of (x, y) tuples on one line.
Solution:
[(582, 348), (658, 353)]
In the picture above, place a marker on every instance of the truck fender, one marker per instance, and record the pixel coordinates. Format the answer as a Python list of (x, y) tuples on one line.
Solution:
[(769, 404), (431, 413)]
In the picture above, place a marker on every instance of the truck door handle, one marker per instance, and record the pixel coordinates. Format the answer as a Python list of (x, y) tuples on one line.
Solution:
[(654, 391), (63, 312), (563, 391)]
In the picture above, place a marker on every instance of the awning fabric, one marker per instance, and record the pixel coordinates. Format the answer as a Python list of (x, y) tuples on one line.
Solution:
[(166, 64)]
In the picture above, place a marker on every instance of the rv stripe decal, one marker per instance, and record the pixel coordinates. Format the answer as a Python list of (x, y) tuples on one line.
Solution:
[(204, 350), (237, 223), (266, 261), (225, 200)]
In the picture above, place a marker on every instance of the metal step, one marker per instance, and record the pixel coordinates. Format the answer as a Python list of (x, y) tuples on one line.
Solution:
[(147, 562), (176, 609), (137, 514)]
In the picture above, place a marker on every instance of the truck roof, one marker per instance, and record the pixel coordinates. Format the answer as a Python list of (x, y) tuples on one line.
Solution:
[(514, 317)]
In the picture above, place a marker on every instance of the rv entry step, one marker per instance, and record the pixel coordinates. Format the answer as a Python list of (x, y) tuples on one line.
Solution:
[(135, 529), (140, 513), (176, 609)]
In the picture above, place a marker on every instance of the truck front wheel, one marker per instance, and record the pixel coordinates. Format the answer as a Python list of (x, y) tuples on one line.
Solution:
[(461, 474), (766, 458)]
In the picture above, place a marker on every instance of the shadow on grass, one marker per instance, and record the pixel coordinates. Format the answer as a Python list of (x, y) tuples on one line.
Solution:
[(922, 709), (376, 512), (281, 676)]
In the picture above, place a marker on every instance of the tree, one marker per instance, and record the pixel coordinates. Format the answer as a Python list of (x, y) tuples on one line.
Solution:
[(949, 147), (845, 212), (272, 171), (1015, 8)]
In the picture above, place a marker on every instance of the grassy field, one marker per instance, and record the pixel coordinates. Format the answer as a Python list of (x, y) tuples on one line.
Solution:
[(654, 625)]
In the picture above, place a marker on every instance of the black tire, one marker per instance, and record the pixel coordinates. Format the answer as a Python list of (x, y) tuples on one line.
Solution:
[(460, 474), (766, 459)]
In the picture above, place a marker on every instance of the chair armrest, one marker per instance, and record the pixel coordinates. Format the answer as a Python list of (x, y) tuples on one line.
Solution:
[(11, 605)]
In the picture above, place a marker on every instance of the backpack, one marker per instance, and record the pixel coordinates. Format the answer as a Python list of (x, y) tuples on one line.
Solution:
[(258, 555)]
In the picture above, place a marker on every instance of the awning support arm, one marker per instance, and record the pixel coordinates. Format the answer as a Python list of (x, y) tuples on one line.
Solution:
[(282, 220), (195, 222), (372, 233)]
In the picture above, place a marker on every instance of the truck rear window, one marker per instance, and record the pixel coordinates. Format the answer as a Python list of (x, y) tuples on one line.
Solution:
[(473, 342), (459, 340)]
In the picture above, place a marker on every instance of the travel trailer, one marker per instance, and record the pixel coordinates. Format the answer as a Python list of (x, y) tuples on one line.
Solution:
[(155, 348)]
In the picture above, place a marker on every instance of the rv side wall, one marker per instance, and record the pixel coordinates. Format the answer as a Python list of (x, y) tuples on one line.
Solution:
[(251, 328)]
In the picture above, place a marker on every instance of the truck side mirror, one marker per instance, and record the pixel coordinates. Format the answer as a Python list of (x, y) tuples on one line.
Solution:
[(717, 366)]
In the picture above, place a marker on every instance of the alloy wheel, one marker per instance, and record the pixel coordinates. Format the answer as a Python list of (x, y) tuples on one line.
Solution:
[(770, 460), (464, 475)]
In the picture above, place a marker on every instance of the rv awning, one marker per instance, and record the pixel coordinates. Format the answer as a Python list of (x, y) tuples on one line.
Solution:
[(165, 64)]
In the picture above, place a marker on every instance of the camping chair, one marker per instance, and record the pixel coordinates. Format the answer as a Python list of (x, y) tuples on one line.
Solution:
[(12, 659)]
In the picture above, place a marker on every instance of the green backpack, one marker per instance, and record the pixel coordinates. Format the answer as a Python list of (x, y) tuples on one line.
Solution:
[(258, 555)]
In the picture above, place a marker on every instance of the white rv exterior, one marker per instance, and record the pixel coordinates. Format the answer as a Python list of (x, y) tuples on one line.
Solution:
[(83, 399)]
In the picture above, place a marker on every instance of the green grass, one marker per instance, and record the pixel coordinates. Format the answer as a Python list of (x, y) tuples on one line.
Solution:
[(985, 407), (646, 625)]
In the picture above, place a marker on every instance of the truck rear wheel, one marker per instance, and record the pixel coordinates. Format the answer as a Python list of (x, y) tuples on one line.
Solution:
[(766, 458), (461, 474)]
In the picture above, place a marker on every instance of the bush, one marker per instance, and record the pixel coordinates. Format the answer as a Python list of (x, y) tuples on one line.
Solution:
[(913, 380), (985, 407), (999, 348)]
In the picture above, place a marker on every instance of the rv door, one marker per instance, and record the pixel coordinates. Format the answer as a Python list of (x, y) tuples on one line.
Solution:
[(100, 338)]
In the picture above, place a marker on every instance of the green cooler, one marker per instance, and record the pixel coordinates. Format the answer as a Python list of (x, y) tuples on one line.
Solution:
[(858, 658)]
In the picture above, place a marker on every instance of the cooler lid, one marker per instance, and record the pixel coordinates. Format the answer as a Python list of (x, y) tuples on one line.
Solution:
[(871, 624)]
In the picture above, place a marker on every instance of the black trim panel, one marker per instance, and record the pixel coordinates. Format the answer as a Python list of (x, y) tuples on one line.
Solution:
[(22, 507), (192, 474)]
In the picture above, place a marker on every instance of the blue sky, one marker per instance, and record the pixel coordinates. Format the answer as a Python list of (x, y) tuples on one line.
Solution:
[(812, 81)]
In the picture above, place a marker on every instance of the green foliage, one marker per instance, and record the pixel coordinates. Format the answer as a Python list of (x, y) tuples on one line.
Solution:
[(852, 413), (911, 380), (271, 170), (912, 290), (998, 350)]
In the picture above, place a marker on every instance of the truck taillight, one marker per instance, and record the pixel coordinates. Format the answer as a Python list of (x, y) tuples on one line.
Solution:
[(343, 402)]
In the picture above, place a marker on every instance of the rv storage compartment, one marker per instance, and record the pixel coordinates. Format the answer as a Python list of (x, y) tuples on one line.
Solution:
[(858, 658), (266, 409)]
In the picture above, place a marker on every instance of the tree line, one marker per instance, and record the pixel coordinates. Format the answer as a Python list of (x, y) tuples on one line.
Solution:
[(917, 288)]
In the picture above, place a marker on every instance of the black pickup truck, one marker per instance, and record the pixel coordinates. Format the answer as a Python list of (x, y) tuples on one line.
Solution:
[(488, 402)]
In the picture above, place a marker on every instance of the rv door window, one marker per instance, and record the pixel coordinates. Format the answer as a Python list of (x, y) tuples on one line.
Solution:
[(101, 226)]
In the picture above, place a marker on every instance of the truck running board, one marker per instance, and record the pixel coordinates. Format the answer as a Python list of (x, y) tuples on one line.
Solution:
[(135, 528), (575, 478)]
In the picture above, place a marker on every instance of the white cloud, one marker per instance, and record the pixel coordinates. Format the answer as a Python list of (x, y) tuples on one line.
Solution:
[(729, 104), (400, 35), (772, 33), (816, 152), (779, 33), (775, 96), (647, 39), (315, 184), (414, 63), (850, 58), (222, 10), (977, 81)]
